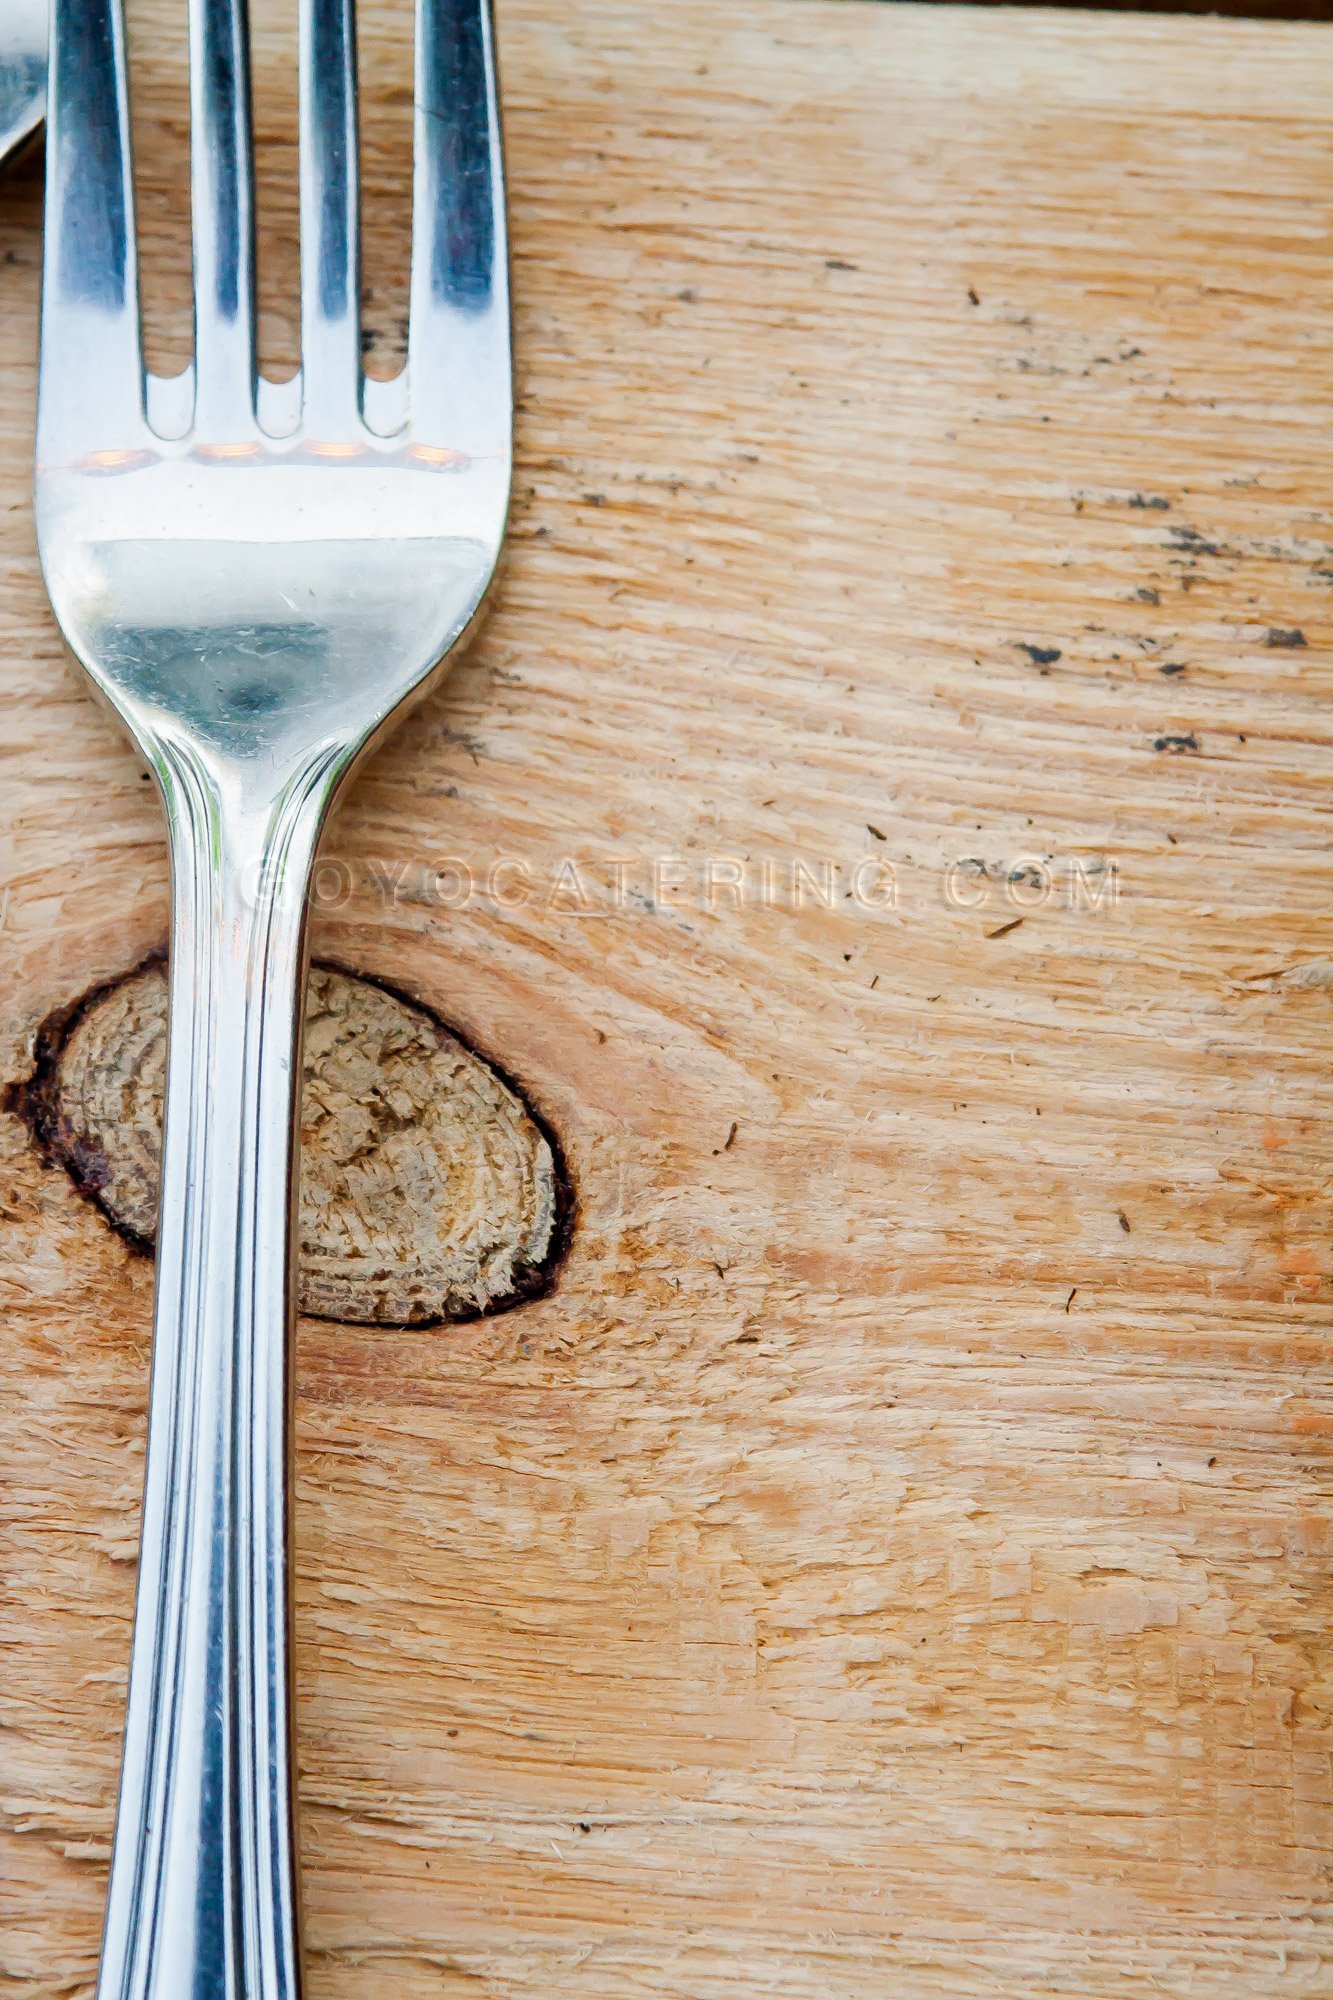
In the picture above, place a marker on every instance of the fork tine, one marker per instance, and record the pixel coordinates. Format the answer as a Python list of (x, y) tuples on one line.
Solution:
[(330, 231), (222, 207), (90, 307), (458, 365)]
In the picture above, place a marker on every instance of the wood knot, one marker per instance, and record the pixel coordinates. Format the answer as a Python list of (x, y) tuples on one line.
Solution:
[(430, 1189)]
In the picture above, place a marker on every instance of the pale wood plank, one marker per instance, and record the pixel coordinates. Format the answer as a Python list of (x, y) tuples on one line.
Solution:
[(915, 1580)]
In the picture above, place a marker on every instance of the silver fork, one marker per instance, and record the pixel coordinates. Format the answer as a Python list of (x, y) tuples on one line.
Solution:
[(257, 579)]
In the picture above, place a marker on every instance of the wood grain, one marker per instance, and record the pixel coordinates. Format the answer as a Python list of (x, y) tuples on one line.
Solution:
[(896, 1559)]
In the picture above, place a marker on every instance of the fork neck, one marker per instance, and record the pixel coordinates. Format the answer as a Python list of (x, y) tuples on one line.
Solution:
[(252, 832)]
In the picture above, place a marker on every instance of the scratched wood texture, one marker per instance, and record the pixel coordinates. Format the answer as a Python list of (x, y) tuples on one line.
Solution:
[(895, 1560)]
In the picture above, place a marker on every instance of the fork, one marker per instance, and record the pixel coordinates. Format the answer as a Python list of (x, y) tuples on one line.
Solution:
[(257, 578)]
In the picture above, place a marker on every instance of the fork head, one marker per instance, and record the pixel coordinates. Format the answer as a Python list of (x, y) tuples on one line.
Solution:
[(267, 572)]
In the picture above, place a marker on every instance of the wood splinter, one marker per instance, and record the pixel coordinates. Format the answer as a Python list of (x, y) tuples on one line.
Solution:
[(430, 1190)]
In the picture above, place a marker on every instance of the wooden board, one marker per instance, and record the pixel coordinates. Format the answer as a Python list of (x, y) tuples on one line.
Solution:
[(895, 1559)]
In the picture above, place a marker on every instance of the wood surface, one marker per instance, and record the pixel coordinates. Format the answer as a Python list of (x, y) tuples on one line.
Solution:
[(894, 1560)]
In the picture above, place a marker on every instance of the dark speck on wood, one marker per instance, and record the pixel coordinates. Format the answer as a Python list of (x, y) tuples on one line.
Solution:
[(1193, 543)]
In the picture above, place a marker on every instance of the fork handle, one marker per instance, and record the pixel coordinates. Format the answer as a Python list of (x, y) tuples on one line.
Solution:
[(202, 1897)]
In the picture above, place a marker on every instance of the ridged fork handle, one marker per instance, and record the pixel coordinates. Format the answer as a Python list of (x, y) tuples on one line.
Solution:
[(201, 1903)]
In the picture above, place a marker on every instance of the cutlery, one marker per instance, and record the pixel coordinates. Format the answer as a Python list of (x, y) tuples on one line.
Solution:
[(24, 30), (256, 578)]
